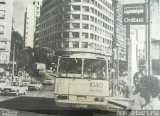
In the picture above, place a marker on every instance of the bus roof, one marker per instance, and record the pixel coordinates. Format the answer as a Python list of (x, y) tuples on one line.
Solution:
[(85, 56)]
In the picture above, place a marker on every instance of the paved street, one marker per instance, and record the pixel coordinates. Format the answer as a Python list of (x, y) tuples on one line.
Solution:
[(45, 92), (39, 102)]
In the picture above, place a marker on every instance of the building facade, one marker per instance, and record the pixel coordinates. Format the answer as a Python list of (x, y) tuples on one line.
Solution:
[(6, 14), (155, 36), (76, 26), (121, 53), (31, 15)]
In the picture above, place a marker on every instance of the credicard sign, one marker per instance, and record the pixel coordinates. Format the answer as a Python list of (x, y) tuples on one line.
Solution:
[(134, 14)]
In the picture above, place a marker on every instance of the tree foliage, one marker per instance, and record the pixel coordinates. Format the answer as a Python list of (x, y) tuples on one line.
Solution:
[(17, 41), (28, 56), (44, 55)]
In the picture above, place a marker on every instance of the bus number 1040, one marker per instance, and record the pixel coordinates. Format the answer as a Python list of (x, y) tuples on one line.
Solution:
[(96, 84)]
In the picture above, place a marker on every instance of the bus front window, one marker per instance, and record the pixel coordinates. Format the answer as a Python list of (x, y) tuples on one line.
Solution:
[(70, 67), (95, 69)]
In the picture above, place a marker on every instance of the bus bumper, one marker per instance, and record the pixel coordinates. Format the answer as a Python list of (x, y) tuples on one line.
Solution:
[(84, 105), (110, 105)]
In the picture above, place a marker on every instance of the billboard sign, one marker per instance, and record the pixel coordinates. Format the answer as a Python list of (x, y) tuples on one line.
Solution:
[(134, 14)]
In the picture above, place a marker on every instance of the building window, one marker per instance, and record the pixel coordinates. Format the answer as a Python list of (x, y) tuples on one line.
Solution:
[(77, 0), (2, 45), (66, 44), (76, 8), (75, 34), (66, 35), (66, 16), (66, 8), (91, 36), (92, 18), (76, 16), (84, 45), (37, 13), (1, 29), (85, 8), (2, 1), (75, 44), (2, 14), (37, 8), (76, 25), (85, 35), (91, 27), (92, 10), (86, 1), (85, 26), (66, 26), (92, 1), (85, 17)]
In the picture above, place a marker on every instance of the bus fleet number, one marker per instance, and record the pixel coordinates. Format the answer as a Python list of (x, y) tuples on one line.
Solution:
[(96, 84)]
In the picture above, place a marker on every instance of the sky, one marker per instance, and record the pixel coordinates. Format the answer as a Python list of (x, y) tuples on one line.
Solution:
[(18, 14), (19, 10)]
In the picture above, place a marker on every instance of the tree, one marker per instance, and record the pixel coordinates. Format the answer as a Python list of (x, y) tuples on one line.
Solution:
[(28, 56), (25, 59), (44, 55), (17, 41)]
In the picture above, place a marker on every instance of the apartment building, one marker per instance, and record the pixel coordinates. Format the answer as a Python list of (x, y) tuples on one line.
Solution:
[(6, 14), (155, 36), (76, 26), (31, 15), (121, 53)]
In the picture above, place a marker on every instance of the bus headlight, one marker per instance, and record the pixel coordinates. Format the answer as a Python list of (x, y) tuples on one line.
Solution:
[(99, 99)]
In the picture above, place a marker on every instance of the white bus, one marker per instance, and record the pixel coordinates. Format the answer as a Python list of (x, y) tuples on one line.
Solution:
[(83, 83), (134, 10)]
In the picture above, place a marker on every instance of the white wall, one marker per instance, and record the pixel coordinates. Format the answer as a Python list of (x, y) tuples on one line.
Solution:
[(7, 22)]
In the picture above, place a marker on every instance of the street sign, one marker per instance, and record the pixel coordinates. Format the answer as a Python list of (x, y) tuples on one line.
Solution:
[(134, 14)]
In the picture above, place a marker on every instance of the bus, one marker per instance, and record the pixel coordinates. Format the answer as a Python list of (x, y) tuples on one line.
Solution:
[(83, 82)]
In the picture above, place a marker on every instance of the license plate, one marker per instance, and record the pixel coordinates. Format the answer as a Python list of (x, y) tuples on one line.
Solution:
[(81, 98), (6, 91), (81, 106)]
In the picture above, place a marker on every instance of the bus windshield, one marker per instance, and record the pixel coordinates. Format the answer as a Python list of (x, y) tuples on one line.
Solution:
[(95, 69), (70, 67), (92, 68)]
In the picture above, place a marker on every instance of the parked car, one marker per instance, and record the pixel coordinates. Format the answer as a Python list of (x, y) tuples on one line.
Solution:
[(34, 85), (14, 88), (25, 83), (48, 81)]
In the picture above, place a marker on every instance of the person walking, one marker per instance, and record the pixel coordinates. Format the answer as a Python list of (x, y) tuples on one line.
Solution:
[(137, 99), (149, 91)]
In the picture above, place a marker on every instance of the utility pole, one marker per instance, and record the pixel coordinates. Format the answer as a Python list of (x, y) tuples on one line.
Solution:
[(148, 39), (114, 43), (13, 59)]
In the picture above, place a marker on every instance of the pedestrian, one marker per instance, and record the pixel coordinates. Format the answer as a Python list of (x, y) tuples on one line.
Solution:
[(136, 81), (149, 90), (137, 99), (126, 91)]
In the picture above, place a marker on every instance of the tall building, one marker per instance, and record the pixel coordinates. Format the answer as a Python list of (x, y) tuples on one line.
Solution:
[(155, 36), (121, 53), (31, 15), (6, 14), (76, 26)]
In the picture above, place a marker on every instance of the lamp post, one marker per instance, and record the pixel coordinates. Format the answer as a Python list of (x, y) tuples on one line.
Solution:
[(13, 60), (148, 40)]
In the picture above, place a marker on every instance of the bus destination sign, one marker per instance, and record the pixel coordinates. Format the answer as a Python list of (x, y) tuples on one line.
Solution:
[(134, 14)]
